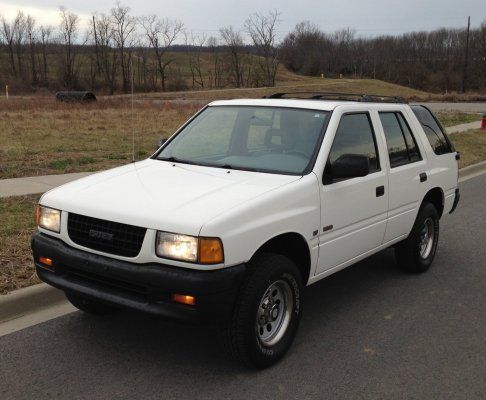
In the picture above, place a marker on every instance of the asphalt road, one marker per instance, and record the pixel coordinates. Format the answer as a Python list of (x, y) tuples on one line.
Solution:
[(368, 332)]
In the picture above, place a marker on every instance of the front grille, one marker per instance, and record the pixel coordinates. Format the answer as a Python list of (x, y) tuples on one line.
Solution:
[(106, 236)]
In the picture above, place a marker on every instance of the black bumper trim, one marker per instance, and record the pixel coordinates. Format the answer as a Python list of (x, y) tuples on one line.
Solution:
[(142, 287), (457, 197)]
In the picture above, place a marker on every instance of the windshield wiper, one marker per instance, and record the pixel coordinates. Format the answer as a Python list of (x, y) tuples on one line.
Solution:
[(223, 166), (177, 160), (229, 166)]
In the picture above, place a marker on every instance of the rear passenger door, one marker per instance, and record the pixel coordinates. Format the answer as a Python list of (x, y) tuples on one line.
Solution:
[(353, 210), (406, 174)]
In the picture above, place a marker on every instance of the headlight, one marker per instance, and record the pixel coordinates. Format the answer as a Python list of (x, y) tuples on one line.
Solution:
[(189, 248), (178, 247), (48, 218)]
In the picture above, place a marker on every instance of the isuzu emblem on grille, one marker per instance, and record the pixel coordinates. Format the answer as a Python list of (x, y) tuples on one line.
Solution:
[(101, 235)]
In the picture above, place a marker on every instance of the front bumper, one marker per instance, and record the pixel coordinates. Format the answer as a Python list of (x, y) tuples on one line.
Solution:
[(142, 287)]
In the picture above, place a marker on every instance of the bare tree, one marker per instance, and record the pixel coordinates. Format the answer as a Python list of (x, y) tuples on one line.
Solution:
[(45, 32), (31, 35), (8, 33), (262, 29), (195, 44), (106, 57), (123, 35), (69, 29), (160, 34), (19, 34), (233, 40), (216, 73)]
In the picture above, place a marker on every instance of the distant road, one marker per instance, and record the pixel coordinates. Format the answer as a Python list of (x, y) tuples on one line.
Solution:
[(462, 107)]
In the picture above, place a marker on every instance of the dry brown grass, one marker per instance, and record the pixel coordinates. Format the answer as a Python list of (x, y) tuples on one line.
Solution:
[(457, 118), (39, 138), (471, 145), (370, 86), (16, 265)]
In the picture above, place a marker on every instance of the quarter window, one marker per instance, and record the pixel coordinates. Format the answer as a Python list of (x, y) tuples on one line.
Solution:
[(355, 136), (402, 148), (436, 136)]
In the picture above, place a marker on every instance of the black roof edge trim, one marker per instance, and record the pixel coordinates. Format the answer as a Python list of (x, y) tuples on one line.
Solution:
[(362, 97)]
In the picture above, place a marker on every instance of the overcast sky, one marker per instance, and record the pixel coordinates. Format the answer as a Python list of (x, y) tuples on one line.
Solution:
[(367, 17)]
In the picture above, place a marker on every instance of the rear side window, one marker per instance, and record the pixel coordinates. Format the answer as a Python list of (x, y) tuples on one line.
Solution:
[(402, 148), (436, 136), (355, 136)]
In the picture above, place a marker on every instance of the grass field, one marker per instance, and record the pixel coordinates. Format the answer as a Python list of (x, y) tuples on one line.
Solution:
[(471, 145), (291, 82), (40, 136), (59, 138), (457, 118)]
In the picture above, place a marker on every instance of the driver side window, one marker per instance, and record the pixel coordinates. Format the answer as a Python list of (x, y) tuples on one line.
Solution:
[(355, 136)]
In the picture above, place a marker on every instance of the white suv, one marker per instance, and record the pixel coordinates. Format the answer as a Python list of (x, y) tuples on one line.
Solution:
[(250, 201)]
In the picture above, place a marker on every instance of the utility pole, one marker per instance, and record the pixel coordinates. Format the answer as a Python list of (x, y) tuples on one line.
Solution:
[(466, 57)]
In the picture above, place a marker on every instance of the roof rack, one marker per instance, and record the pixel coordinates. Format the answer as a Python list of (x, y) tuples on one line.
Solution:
[(368, 98)]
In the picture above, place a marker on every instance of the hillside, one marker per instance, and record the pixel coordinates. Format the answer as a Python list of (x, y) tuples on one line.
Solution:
[(291, 82), (180, 77)]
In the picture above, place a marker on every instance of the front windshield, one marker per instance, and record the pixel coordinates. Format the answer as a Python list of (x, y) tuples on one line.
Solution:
[(266, 139)]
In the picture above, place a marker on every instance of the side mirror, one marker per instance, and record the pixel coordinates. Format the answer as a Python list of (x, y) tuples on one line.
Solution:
[(348, 166), (159, 143)]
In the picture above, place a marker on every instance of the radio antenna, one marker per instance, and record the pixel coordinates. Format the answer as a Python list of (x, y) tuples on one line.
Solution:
[(133, 114)]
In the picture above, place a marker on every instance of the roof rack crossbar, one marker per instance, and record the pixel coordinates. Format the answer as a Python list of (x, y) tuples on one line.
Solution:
[(362, 97)]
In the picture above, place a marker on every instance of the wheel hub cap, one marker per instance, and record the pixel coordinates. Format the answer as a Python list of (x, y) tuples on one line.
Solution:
[(426, 239), (274, 313)]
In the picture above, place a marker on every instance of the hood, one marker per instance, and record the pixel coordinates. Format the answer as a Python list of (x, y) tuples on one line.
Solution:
[(162, 195)]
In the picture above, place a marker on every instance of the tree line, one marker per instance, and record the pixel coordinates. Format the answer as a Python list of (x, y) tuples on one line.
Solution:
[(432, 61), (118, 49), (113, 51)]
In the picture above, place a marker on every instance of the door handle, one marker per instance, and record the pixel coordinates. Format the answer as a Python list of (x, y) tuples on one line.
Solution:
[(380, 191), (423, 177)]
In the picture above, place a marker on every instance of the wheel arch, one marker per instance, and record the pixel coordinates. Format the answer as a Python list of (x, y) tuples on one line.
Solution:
[(292, 245), (436, 197)]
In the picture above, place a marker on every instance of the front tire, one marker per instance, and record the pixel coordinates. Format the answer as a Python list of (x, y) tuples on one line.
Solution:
[(417, 252), (267, 312), (89, 306)]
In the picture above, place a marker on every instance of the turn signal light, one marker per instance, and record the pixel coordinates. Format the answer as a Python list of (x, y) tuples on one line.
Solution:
[(37, 214), (45, 261), (210, 251), (184, 299)]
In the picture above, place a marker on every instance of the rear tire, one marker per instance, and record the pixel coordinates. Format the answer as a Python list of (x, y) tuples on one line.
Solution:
[(267, 312), (417, 252), (90, 306)]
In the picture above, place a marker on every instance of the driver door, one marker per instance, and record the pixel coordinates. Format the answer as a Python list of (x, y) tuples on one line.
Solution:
[(353, 210)]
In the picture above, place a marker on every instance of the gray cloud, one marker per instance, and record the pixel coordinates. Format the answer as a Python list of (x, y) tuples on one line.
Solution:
[(368, 18)]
